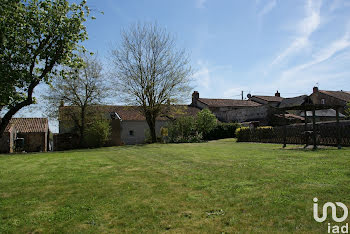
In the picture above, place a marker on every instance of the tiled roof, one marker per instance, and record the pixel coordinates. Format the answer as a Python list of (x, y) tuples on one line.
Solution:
[(8, 127), (133, 113), (269, 98), (228, 102), (293, 102), (26, 125), (290, 116), (342, 95)]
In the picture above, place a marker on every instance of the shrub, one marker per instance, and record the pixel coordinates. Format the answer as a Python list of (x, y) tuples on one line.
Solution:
[(221, 131), (264, 132), (242, 134), (97, 133), (183, 129), (206, 121)]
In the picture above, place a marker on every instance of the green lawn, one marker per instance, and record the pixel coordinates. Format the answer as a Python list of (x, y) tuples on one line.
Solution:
[(214, 187)]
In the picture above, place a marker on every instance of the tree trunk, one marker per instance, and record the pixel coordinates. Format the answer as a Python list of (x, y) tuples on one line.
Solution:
[(82, 127), (151, 121), (12, 111)]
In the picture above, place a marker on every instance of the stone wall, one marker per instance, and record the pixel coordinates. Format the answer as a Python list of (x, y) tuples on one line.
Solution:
[(5, 143), (65, 141), (243, 114), (316, 98)]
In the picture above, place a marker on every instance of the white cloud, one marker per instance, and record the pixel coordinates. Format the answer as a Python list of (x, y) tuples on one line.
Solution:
[(200, 3), (304, 30), (323, 55), (202, 76), (267, 8)]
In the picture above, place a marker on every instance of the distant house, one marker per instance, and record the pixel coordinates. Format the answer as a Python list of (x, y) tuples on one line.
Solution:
[(327, 97), (267, 100), (34, 132), (232, 110), (128, 124)]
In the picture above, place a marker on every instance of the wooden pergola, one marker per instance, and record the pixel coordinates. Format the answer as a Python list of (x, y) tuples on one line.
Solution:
[(304, 103)]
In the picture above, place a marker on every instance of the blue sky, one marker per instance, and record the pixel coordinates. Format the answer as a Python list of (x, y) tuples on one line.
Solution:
[(256, 46)]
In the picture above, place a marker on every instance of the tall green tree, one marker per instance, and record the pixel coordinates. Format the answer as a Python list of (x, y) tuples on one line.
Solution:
[(81, 89), (37, 37), (150, 70)]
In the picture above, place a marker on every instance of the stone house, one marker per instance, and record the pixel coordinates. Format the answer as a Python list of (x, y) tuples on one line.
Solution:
[(34, 132), (128, 125), (329, 98), (232, 110)]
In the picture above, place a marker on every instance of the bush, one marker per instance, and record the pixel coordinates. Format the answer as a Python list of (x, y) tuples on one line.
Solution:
[(242, 134), (247, 134), (183, 129), (206, 121), (97, 133), (221, 131)]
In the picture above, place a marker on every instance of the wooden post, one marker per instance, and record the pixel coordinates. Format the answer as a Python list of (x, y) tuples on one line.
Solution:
[(284, 130), (338, 129), (305, 129), (314, 127)]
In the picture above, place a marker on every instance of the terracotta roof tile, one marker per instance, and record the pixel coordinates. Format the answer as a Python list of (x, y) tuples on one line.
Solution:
[(228, 102), (26, 125), (8, 127)]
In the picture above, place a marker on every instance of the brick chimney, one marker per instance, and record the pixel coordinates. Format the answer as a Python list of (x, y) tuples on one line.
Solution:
[(195, 97), (315, 89), (277, 94)]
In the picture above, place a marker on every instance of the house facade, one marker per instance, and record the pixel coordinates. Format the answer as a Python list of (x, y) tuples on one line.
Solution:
[(232, 110), (330, 98), (128, 125)]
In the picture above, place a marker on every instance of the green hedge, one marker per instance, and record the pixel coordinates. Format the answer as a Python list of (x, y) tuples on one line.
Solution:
[(221, 131), (246, 134)]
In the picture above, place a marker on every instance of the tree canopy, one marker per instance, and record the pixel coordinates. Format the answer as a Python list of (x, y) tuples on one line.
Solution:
[(150, 70), (36, 38)]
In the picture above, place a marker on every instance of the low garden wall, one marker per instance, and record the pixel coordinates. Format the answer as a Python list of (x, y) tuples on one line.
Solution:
[(326, 133), (65, 141)]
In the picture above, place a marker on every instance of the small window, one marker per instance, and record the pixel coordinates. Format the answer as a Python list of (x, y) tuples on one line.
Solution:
[(131, 132), (323, 101)]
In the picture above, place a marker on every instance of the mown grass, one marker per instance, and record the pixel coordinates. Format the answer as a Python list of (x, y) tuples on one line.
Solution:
[(214, 187)]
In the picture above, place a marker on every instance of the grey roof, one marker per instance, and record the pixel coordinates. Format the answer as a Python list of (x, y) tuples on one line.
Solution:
[(323, 113), (269, 98), (293, 102)]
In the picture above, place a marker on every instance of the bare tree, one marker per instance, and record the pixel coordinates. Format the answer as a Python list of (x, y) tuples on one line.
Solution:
[(150, 70), (81, 89)]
